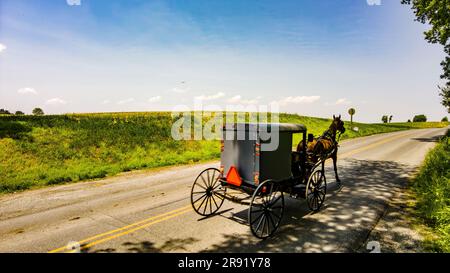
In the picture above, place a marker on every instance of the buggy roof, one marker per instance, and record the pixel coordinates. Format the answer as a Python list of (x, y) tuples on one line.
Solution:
[(265, 127)]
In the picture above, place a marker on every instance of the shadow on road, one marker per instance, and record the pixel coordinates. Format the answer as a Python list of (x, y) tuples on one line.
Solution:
[(342, 225)]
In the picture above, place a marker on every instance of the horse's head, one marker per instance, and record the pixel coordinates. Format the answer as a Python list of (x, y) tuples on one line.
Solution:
[(338, 124)]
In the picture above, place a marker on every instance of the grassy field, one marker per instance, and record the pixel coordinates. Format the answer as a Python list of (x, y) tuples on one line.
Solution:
[(47, 150), (432, 190)]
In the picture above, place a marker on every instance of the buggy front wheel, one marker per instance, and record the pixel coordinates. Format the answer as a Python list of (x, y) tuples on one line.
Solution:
[(316, 190), (207, 193), (266, 210)]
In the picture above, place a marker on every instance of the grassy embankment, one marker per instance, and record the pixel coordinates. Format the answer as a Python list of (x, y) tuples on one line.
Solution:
[(49, 150), (431, 188)]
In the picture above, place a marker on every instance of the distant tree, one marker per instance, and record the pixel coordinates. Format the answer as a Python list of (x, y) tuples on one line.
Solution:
[(444, 119), (385, 119), (436, 14), (38, 112), (420, 118), (409, 121), (19, 113), (351, 112), (390, 118), (4, 112)]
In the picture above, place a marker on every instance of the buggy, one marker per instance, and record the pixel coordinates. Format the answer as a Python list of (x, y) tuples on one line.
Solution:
[(263, 177)]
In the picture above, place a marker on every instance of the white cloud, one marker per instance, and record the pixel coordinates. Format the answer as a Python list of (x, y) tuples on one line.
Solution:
[(56, 101), (180, 90), (298, 100), (129, 100), (106, 102), (210, 97), (342, 101), (27, 90), (238, 100), (155, 99), (2, 47)]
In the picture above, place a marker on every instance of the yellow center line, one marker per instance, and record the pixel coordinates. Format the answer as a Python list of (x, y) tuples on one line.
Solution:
[(135, 229), (373, 145), (120, 229), (177, 212)]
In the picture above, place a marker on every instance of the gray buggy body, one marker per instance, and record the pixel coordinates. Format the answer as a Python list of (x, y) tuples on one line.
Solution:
[(243, 148)]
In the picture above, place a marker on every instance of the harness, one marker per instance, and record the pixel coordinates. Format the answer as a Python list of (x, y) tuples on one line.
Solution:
[(334, 140)]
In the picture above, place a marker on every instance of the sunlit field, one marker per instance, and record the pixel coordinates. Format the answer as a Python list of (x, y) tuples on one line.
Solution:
[(48, 150)]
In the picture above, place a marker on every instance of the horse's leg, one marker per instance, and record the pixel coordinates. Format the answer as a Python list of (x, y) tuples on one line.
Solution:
[(334, 157)]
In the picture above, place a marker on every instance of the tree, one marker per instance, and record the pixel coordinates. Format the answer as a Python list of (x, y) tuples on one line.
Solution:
[(409, 121), (436, 14), (390, 118), (444, 119), (4, 112), (420, 118), (19, 113), (38, 112), (351, 112), (385, 119)]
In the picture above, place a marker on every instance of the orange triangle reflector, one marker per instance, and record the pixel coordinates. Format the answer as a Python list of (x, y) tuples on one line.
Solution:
[(233, 177)]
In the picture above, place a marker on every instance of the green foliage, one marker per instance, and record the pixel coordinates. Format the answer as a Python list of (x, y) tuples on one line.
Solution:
[(385, 119), (432, 188), (444, 119), (38, 112), (49, 150), (420, 118), (4, 112), (19, 113)]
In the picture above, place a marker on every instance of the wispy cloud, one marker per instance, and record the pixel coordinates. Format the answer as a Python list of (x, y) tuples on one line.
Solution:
[(27, 90), (129, 100), (56, 101), (211, 97), (239, 100), (342, 101), (180, 90), (106, 102), (155, 99), (2, 47), (298, 100)]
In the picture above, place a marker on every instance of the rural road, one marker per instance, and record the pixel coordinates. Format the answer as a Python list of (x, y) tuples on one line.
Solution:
[(150, 211)]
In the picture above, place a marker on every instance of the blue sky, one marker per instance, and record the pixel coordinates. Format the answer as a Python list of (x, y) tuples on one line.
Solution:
[(315, 58)]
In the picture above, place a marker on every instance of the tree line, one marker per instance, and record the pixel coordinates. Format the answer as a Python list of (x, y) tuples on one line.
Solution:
[(36, 111)]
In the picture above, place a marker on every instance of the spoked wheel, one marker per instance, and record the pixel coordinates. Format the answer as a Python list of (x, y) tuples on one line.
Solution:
[(266, 210), (316, 190), (207, 192)]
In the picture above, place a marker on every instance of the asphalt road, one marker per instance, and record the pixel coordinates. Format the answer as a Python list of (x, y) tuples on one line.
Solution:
[(150, 211)]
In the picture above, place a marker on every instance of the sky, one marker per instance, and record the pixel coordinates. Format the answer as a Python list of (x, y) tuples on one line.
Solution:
[(311, 57)]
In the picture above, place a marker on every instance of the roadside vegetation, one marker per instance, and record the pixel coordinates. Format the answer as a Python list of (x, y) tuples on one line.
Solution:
[(432, 190), (48, 150)]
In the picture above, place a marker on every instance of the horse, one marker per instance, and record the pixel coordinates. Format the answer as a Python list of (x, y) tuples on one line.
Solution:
[(326, 146)]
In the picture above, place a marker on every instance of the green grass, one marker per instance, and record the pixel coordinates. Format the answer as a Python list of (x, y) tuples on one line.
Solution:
[(49, 150), (432, 190)]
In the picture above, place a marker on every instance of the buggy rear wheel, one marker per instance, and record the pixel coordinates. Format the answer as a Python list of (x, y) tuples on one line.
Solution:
[(207, 193), (316, 190), (266, 210)]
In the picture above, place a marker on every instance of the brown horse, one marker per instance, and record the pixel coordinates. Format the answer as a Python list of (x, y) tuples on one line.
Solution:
[(326, 146)]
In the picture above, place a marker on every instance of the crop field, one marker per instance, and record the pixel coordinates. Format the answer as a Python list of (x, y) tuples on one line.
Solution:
[(37, 151)]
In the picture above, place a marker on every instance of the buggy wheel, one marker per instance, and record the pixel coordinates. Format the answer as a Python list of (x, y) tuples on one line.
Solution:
[(316, 190), (266, 210), (207, 193)]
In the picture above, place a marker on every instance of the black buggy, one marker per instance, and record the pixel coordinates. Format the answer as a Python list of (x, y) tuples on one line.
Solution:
[(261, 177)]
